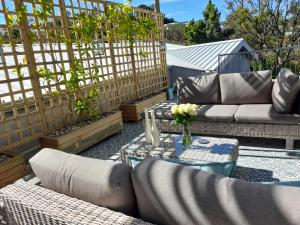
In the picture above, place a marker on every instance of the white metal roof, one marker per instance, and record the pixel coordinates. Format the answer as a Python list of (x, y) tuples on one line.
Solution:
[(173, 46), (204, 56)]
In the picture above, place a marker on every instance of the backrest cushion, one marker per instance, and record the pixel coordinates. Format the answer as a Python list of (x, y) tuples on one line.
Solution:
[(246, 88), (172, 194), (285, 91), (204, 89), (103, 183)]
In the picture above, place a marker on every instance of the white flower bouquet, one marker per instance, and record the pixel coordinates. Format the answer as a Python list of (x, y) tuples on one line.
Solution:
[(185, 114)]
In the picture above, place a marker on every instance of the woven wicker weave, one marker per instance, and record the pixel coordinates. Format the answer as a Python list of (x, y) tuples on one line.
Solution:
[(289, 132), (27, 204), (282, 131)]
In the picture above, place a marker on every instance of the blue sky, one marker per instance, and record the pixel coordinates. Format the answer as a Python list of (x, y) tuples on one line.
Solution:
[(180, 10), (184, 10)]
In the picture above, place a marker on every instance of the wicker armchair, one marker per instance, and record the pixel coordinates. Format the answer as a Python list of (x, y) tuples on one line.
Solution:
[(28, 204)]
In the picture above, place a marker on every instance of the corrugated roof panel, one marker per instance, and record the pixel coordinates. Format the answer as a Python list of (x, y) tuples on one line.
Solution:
[(213, 59), (205, 56)]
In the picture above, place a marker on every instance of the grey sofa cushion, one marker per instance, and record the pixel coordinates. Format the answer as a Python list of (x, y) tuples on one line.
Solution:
[(204, 89), (100, 182), (285, 91), (217, 112), (205, 112), (246, 88), (264, 113), (172, 194)]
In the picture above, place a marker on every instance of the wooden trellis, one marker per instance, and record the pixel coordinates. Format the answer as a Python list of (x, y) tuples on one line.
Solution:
[(29, 108)]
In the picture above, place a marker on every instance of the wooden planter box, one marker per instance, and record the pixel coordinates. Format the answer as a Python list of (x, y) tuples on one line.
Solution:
[(12, 169), (134, 112), (87, 136)]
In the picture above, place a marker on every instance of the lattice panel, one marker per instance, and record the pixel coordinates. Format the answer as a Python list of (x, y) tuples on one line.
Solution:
[(19, 111), (31, 106)]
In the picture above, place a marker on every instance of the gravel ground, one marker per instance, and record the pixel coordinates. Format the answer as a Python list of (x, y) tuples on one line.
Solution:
[(260, 160)]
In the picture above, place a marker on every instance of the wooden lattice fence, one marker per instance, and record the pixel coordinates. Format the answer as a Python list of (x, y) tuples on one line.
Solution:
[(29, 105)]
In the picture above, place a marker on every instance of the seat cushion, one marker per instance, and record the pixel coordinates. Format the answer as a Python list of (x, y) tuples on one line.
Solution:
[(217, 112), (205, 112), (103, 183), (264, 113), (172, 194), (204, 89), (246, 88), (285, 91)]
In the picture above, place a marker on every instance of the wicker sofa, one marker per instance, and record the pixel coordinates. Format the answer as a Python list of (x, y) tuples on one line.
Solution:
[(164, 193), (240, 104)]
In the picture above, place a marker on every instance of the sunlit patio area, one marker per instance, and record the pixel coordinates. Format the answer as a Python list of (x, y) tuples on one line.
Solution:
[(115, 113), (260, 160)]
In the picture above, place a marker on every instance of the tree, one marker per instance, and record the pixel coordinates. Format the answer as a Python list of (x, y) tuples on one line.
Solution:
[(206, 30), (174, 33), (212, 23), (265, 23), (168, 20), (195, 32)]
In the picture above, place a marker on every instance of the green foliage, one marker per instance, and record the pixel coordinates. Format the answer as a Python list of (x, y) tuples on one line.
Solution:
[(143, 54), (81, 106), (174, 33), (212, 23), (195, 32), (10, 20), (269, 24), (46, 74), (85, 27), (265, 24), (84, 106), (206, 30), (21, 11), (183, 119), (42, 12), (124, 24)]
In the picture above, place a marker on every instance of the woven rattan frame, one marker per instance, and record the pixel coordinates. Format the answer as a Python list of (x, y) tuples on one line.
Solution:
[(263, 130), (28, 204)]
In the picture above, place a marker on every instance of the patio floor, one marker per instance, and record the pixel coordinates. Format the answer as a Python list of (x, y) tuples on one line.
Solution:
[(260, 160)]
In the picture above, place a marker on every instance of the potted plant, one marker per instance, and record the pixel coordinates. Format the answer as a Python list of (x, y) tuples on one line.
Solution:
[(85, 122), (133, 111), (12, 167)]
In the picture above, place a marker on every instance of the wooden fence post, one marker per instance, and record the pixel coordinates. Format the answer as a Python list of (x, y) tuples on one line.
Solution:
[(135, 79), (28, 51)]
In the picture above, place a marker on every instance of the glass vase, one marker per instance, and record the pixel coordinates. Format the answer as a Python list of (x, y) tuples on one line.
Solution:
[(186, 137)]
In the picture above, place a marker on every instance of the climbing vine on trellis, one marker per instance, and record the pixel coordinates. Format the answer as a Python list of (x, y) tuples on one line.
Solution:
[(64, 58), (123, 24)]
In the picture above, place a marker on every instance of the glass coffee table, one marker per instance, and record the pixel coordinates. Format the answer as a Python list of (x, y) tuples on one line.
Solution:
[(212, 154)]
